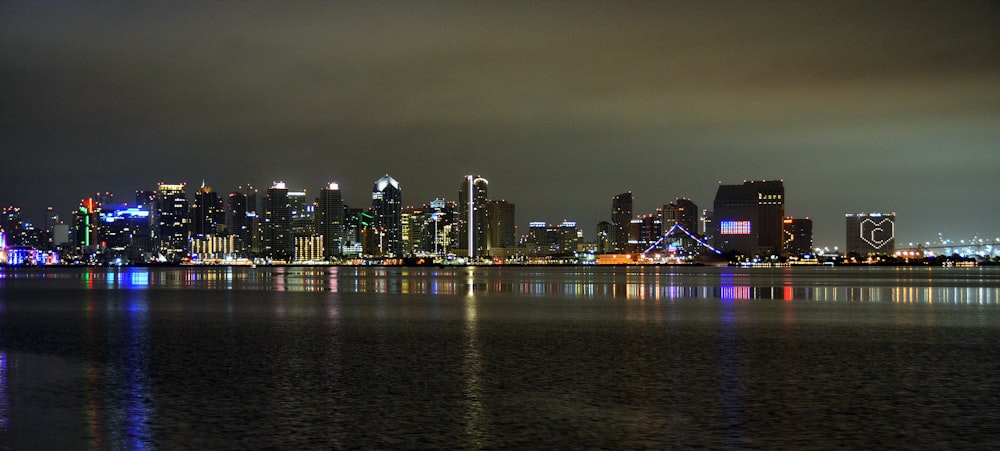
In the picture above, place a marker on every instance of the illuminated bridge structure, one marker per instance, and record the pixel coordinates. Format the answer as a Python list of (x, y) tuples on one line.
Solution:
[(676, 233)]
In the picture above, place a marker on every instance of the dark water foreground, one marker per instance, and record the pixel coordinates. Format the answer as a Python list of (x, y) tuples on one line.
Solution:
[(293, 358)]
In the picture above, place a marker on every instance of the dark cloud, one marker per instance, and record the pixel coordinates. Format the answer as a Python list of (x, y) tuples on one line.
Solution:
[(857, 106)]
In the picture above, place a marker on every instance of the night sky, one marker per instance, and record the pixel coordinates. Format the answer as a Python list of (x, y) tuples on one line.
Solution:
[(857, 106)]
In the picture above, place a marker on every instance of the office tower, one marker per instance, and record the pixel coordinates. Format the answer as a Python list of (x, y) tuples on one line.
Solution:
[(798, 236), (644, 231), (472, 223), (330, 219), (439, 223), (12, 224), (207, 213), (682, 212), (603, 240), (567, 237), (356, 221), (303, 214), (386, 238), (172, 221), (621, 217), (871, 234), (501, 228), (237, 222), (277, 240), (748, 217)]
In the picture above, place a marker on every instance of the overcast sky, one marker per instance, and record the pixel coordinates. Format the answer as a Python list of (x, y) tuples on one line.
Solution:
[(857, 106)]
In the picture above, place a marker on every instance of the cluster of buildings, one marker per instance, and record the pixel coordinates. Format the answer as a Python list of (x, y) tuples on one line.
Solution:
[(281, 225)]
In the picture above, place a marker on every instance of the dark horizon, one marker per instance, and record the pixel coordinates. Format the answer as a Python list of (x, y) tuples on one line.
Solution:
[(858, 107)]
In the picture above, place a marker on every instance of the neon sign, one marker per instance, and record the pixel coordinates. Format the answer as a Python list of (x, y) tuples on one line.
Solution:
[(734, 227)]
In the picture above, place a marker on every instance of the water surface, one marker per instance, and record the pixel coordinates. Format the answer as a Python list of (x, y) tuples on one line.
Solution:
[(499, 357)]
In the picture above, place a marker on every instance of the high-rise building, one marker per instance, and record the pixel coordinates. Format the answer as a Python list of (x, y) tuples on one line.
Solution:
[(86, 226), (621, 217), (330, 219), (172, 220), (386, 237), (748, 217), (472, 222), (682, 212), (603, 240), (277, 240), (871, 233), (501, 237), (237, 222), (439, 224), (303, 214), (12, 223), (644, 231), (207, 213), (798, 233)]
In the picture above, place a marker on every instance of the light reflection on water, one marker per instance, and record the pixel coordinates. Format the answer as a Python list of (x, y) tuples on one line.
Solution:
[(215, 358), (877, 285)]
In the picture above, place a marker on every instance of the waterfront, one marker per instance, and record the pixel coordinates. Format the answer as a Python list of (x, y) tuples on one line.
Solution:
[(499, 357)]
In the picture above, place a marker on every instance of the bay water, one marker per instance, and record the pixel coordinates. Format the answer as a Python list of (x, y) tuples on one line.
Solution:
[(499, 357)]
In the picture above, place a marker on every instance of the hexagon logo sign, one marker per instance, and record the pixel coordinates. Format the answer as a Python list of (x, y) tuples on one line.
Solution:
[(878, 234)]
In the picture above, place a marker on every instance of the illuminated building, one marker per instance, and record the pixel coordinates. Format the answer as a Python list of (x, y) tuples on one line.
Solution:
[(213, 247), (352, 239), (439, 224), (386, 234), (237, 222), (501, 236), (871, 234), (681, 211), (309, 248), (126, 235), (798, 236), (277, 239), (207, 213), (621, 218), (643, 232), (12, 224), (330, 219), (748, 217), (603, 237), (172, 220), (472, 223), (551, 240)]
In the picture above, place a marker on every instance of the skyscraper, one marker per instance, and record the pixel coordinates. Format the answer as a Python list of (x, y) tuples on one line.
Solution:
[(621, 217), (236, 219), (871, 234), (330, 219), (472, 221), (501, 228), (748, 217), (207, 213), (683, 212), (603, 237), (387, 225), (277, 240), (798, 236), (172, 220)]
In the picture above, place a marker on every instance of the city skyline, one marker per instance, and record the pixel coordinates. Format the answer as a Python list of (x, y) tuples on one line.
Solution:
[(857, 107)]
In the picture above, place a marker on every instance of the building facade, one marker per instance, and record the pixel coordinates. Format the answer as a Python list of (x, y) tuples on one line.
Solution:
[(870, 234), (386, 230), (748, 218), (621, 218)]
